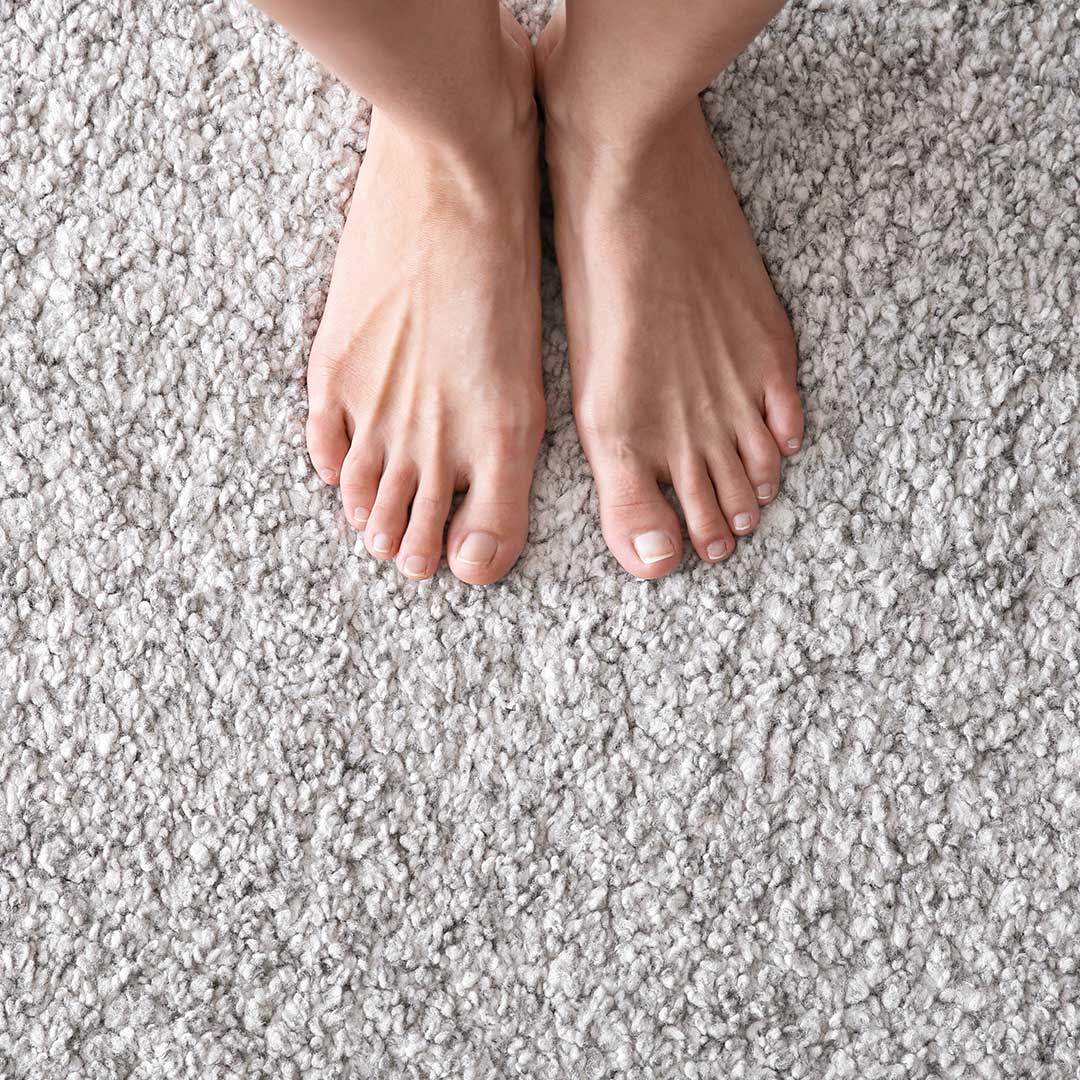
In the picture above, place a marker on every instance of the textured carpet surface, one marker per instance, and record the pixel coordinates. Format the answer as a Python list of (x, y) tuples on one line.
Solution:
[(268, 810)]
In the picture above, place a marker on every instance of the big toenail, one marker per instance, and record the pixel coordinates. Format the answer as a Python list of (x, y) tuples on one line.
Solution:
[(717, 549), (382, 543), (415, 566), (360, 515), (742, 521), (653, 546), (793, 444), (764, 491), (478, 549)]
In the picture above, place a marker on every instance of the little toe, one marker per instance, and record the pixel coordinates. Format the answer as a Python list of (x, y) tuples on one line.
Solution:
[(360, 481), (327, 442), (705, 521), (639, 525), (737, 497), (489, 528), (761, 460), (784, 416), (390, 512), (421, 546)]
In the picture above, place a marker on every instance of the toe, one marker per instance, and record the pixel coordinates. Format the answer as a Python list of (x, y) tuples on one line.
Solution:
[(360, 481), (390, 512), (421, 546), (737, 498), (761, 460), (327, 442), (784, 415), (709, 531), (489, 528), (639, 524)]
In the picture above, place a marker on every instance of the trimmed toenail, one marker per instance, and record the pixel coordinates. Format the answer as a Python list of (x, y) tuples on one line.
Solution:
[(478, 549), (653, 546), (330, 476), (742, 521), (793, 444), (382, 543), (415, 566), (360, 515), (717, 549), (764, 491)]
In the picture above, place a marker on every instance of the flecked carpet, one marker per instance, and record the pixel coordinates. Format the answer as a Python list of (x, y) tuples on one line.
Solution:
[(269, 810)]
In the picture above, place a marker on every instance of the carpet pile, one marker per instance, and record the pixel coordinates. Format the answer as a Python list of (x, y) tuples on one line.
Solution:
[(270, 810)]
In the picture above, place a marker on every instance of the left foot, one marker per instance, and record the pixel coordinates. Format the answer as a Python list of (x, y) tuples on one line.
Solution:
[(424, 378), (682, 358)]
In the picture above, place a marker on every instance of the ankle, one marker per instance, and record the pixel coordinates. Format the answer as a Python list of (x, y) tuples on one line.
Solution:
[(589, 134), (584, 118), (477, 131)]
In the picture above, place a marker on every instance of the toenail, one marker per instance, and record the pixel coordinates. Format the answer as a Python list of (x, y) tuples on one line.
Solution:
[(330, 476), (382, 543), (793, 444), (653, 546), (717, 549), (360, 515), (742, 521), (764, 491), (478, 549), (415, 566)]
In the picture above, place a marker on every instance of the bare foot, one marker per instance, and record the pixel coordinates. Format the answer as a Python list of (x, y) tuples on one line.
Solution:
[(682, 358), (424, 377)]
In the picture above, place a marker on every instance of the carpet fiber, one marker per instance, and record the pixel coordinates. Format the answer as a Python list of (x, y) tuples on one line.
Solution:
[(269, 810)]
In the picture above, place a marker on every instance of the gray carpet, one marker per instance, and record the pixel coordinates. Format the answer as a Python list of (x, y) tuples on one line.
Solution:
[(269, 810)]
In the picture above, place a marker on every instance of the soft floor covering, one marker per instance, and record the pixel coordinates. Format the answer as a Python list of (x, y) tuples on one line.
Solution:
[(269, 810)]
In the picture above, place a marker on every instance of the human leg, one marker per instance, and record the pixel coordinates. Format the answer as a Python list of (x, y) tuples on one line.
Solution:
[(424, 377), (682, 358)]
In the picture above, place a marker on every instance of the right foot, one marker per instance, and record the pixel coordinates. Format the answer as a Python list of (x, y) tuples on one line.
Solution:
[(425, 377), (682, 360)]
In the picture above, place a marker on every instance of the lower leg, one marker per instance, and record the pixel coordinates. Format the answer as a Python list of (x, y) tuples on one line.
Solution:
[(682, 359), (437, 70), (678, 50), (424, 377)]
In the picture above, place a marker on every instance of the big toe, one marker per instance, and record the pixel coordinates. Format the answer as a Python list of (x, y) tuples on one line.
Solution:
[(488, 531), (639, 525)]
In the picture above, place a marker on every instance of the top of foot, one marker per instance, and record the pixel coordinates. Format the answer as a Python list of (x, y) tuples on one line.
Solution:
[(425, 378), (682, 357)]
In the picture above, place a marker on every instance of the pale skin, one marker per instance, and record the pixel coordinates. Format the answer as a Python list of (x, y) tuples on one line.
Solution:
[(424, 377)]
